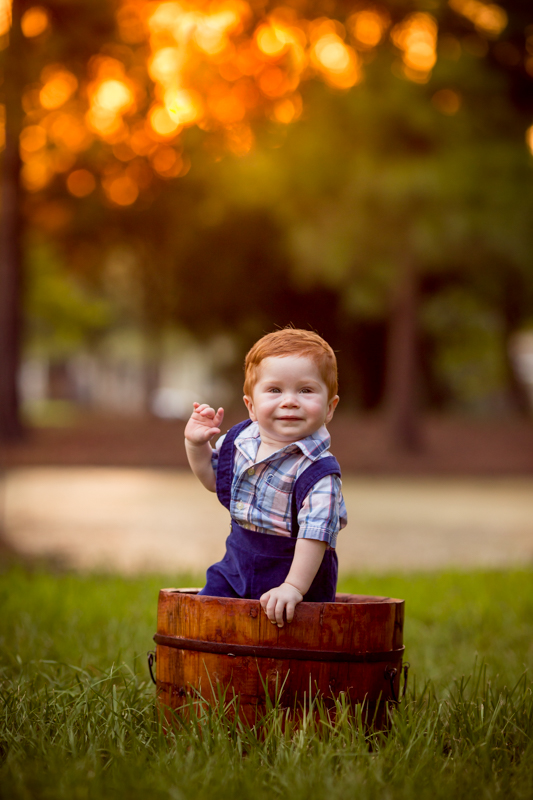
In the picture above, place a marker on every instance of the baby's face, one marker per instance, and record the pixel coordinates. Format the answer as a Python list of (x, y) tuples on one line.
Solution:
[(290, 399)]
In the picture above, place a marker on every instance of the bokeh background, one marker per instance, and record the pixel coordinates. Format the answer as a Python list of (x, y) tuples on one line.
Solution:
[(179, 178)]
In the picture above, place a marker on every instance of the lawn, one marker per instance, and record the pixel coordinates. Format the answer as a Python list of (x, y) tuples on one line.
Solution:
[(78, 718)]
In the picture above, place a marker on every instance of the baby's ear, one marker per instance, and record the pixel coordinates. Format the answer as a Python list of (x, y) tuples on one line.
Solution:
[(332, 405), (248, 402)]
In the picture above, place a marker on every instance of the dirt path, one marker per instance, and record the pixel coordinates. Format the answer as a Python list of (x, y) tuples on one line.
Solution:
[(134, 520)]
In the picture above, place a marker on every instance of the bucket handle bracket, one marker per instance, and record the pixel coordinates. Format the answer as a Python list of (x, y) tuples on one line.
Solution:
[(390, 675), (152, 658)]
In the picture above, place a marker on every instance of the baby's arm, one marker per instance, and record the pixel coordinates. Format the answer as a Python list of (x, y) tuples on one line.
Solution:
[(308, 555), (202, 426)]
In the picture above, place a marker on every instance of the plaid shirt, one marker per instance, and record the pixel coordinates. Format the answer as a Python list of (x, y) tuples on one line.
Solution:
[(261, 491)]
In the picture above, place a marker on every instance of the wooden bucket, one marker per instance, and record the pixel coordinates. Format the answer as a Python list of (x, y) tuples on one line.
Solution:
[(205, 644)]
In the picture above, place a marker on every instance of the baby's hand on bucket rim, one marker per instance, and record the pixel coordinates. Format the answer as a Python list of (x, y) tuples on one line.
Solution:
[(281, 599), (203, 424)]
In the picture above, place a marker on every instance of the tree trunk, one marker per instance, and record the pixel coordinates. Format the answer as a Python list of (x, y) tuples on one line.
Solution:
[(402, 368), (10, 238)]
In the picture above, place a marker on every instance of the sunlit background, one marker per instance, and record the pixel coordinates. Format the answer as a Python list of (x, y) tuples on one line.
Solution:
[(181, 177), (189, 182)]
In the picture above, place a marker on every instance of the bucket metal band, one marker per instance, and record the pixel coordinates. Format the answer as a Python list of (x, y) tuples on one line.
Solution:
[(285, 653)]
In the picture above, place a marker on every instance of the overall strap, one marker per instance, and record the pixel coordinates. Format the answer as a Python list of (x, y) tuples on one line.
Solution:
[(305, 482), (225, 463)]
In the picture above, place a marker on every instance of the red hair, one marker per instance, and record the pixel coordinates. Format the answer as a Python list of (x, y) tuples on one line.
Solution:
[(292, 342)]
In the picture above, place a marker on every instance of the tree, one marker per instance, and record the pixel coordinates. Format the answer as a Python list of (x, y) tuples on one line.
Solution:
[(116, 114), (415, 179), (10, 235), (22, 64)]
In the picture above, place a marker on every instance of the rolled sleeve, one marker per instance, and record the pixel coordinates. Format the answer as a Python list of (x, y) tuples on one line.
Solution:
[(323, 512)]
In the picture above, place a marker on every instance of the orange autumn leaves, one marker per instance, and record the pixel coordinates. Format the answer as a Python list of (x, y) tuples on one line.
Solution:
[(205, 63)]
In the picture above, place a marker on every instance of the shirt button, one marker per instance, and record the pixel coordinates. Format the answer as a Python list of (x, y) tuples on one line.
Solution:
[(251, 471), (240, 505)]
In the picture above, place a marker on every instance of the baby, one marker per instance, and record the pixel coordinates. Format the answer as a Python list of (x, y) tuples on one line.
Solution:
[(275, 475)]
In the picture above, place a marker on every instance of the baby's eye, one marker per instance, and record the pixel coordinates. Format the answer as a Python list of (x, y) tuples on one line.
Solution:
[(306, 390), (274, 389)]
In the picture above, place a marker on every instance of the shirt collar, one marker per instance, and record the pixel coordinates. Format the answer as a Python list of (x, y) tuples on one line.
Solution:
[(312, 446)]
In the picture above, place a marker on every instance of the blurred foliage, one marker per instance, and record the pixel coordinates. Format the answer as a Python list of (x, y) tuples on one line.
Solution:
[(469, 355), (61, 314), (311, 224)]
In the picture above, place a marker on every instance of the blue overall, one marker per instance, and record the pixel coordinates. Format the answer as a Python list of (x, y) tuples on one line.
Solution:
[(256, 562)]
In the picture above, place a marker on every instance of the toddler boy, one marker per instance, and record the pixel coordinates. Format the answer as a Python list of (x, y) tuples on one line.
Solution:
[(276, 476)]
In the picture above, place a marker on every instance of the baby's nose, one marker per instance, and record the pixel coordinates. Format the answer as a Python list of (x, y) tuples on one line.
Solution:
[(290, 400)]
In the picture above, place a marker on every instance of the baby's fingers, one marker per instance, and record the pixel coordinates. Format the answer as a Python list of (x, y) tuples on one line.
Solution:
[(199, 408), (289, 610), (280, 608), (264, 600), (203, 413), (275, 608), (219, 416), (206, 411), (268, 604)]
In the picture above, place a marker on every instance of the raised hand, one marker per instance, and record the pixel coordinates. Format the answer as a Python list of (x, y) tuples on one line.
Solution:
[(203, 424)]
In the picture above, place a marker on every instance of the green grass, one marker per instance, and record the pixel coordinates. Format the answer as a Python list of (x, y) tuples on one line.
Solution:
[(78, 718)]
